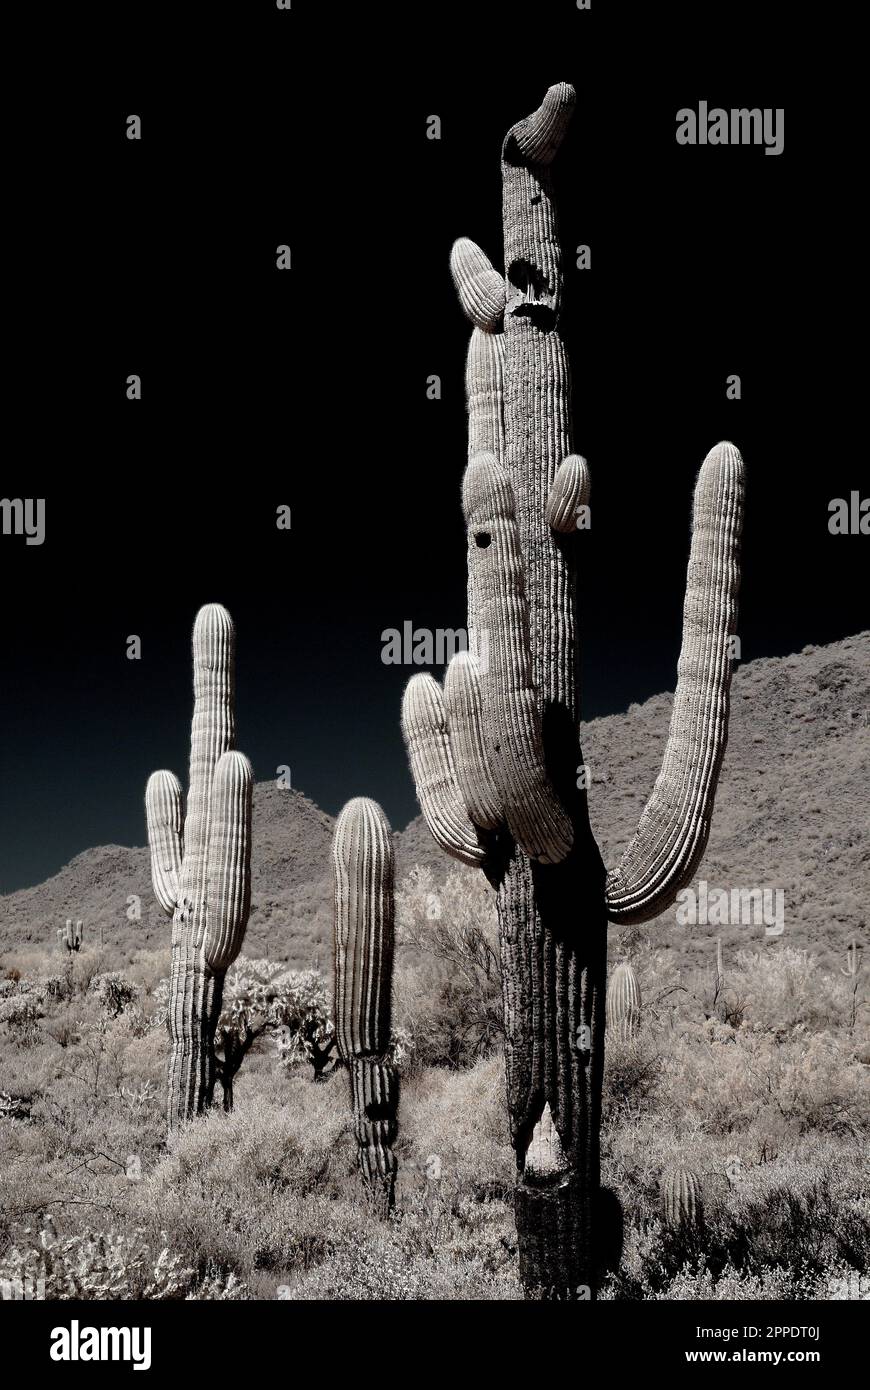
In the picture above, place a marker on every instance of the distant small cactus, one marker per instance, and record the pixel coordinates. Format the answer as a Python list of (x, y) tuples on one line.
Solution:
[(853, 964), (851, 970), (70, 936), (682, 1204), (623, 1002)]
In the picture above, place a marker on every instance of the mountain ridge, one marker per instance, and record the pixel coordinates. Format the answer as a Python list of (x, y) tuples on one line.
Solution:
[(791, 814)]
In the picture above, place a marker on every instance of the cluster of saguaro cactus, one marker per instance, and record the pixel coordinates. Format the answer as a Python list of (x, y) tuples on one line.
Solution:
[(623, 1002), (362, 858), (70, 936), (682, 1204), (201, 864), (495, 753)]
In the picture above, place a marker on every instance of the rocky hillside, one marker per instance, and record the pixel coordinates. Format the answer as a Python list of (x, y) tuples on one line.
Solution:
[(792, 814)]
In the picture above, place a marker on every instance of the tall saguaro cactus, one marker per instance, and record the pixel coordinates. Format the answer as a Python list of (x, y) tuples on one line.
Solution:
[(201, 864), (362, 859), (495, 754)]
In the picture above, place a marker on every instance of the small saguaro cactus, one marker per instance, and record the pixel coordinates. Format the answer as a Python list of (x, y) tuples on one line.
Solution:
[(495, 752), (201, 865), (623, 1002), (70, 935), (682, 1205), (362, 859), (852, 966), (851, 971)]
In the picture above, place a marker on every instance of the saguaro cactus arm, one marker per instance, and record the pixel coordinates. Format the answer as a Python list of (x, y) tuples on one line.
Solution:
[(481, 289), (515, 748), (424, 725), (569, 492), (672, 833), (164, 808), (229, 859), (463, 706)]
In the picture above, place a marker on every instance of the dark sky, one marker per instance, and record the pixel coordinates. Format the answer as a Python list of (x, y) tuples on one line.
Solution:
[(308, 387)]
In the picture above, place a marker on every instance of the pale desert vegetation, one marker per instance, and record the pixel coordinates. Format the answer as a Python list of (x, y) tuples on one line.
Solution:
[(757, 1081)]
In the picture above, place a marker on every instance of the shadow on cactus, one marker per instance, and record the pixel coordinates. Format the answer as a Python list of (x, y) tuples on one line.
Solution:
[(495, 752)]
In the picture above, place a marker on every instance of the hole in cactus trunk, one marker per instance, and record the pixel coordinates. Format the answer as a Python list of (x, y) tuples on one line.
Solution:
[(482, 539), (537, 293), (541, 315)]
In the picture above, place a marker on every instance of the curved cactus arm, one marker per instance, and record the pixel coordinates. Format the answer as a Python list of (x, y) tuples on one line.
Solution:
[(537, 137), (569, 491), (164, 809), (229, 859), (464, 710), (424, 727), (484, 393), (536, 820), (674, 826), (480, 287)]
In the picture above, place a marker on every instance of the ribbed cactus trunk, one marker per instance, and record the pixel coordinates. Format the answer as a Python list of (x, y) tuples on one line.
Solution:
[(201, 866), (623, 1002), (362, 857), (496, 754), (682, 1202)]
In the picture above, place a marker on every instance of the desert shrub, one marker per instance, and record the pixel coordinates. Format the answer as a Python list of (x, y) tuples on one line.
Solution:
[(787, 988), (632, 1074), (114, 992), (465, 1256), (459, 1120), (449, 978), (253, 1189), (108, 1265), (21, 1014), (58, 988), (159, 1004)]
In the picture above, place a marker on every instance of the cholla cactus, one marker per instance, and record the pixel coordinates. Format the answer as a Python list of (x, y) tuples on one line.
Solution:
[(495, 753), (201, 865), (682, 1205), (623, 1002), (362, 858), (107, 1265), (70, 936), (307, 1032), (114, 992)]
